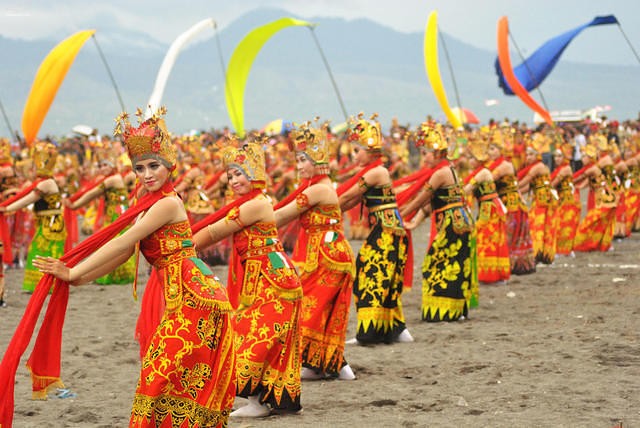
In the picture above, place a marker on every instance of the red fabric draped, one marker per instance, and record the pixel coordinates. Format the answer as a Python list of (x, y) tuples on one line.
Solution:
[(304, 184), (5, 235), (179, 180), (44, 362), (407, 194), (134, 192), (473, 174), (411, 177), (214, 179), (353, 180), (577, 175), (235, 264), (496, 163), (524, 171), (151, 315), (348, 169), (555, 173)]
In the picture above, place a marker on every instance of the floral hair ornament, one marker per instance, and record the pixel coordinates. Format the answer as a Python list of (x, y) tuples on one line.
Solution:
[(149, 140), (429, 135), (366, 133), (313, 143), (249, 159)]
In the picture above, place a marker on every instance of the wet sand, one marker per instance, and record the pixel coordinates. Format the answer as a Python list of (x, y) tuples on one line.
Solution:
[(560, 347)]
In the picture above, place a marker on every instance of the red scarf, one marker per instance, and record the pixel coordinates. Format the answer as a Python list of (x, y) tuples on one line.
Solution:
[(214, 179), (581, 171), (353, 180), (524, 171), (554, 174), (411, 177), (5, 236), (44, 362), (496, 163), (235, 266), (347, 169), (179, 180), (473, 174), (406, 195), (304, 184)]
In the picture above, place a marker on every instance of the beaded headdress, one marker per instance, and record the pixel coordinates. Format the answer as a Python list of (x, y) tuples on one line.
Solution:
[(150, 140), (430, 136), (193, 146), (535, 143), (44, 158), (366, 133), (313, 143), (249, 159), (566, 149)]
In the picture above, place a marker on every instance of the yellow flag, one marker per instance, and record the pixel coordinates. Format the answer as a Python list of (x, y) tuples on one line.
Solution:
[(240, 64), (48, 79), (433, 72)]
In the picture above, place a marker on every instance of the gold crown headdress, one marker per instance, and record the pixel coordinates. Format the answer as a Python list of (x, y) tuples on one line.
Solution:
[(24, 166), (565, 149), (366, 133), (430, 136), (44, 157), (150, 140), (193, 147), (313, 143), (600, 142), (535, 143), (249, 159), (495, 138), (5, 151), (102, 154), (590, 150), (478, 149)]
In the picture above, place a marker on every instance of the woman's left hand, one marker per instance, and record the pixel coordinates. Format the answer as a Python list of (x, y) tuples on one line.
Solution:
[(52, 266)]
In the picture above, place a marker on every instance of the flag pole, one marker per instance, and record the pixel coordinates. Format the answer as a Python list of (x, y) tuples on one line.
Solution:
[(6, 119), (113, 81), (524, 61), (453, 77), (333, 82), (628, 41)]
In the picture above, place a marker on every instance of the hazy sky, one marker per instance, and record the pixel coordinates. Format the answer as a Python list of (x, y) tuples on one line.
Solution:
[(472, 21)]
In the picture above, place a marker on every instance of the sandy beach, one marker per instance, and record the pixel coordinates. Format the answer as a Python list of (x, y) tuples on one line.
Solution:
[(560, 348)]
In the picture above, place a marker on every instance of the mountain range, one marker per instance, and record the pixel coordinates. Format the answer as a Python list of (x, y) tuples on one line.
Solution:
[(376, 68)]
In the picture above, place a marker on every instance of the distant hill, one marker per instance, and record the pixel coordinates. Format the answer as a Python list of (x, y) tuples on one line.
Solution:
[(376, 68)]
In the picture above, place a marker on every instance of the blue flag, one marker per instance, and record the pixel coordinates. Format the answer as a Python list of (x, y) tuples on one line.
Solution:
[(537, 67)]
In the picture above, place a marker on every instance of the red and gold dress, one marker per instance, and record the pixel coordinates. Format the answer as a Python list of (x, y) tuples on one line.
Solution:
[(633, 198), (543, 220), (518, 235), (326, 264), (567, 215), (595, 232), (188, 372), (266, 287), (198, 207), (491, 226)]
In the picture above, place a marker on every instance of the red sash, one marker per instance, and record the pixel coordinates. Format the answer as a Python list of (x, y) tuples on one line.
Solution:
[(5, 235), (524, 171), (306, 183), (473, 174), (353, 180), (496, 163), (557, 170), (44, 362), (581, 171)]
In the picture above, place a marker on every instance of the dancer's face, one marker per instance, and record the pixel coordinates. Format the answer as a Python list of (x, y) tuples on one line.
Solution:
[(151, 173), (239, 182), (361, 155), (429, 158), (494, 152), (474, 163), (306, 168), (105, 168), (558, 158), (532, 156)]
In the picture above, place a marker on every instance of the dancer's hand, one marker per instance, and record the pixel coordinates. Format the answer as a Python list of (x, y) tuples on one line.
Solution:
[(53, 266)]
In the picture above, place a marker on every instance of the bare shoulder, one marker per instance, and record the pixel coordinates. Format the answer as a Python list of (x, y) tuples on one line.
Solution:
[(256, 204), (114, 181), (378, 175), (48, 186)]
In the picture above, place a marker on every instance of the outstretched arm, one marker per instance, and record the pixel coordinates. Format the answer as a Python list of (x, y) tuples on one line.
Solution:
[(85, 199)]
